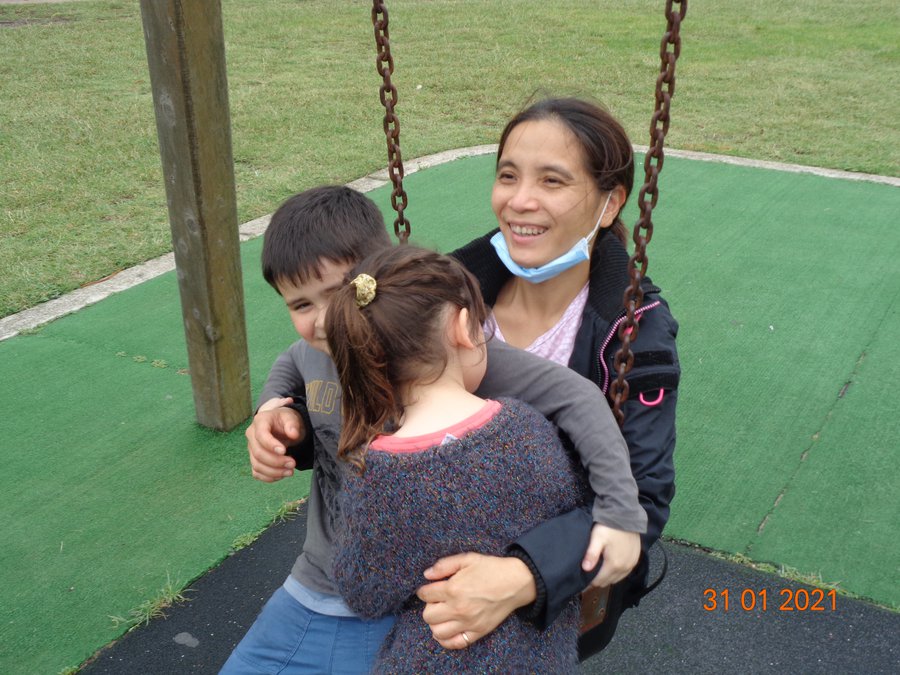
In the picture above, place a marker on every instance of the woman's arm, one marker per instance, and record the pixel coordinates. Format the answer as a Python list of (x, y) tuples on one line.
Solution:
[(651, 440), (649, 413)]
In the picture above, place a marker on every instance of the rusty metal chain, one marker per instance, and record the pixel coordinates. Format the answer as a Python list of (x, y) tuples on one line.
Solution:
[(388, 93), (670, 48)]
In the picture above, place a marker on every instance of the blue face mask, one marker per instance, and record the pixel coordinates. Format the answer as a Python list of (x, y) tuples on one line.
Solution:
[(579, 253)]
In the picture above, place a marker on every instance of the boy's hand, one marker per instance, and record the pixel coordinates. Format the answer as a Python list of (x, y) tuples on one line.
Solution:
[(620, 551), (273, 429), (473, 593)]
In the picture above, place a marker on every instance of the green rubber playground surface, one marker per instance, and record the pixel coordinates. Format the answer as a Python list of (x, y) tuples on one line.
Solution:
[(787, 290)]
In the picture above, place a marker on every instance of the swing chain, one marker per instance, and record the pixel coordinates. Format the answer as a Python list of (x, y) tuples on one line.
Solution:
[(384, 63), (670, 48)]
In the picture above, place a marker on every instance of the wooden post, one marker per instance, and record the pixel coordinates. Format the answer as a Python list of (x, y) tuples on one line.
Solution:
[(186, 55)]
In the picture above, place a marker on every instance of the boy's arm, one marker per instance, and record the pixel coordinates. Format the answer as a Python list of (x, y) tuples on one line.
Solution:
[(270, 435), (284, 379), (277, 438)]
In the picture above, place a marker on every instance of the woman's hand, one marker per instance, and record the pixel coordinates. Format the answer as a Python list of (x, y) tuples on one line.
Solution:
[(473, 593), (620, 550), (273, 429)]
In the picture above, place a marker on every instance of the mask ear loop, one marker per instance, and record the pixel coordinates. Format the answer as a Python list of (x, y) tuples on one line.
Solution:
[(599, 220)]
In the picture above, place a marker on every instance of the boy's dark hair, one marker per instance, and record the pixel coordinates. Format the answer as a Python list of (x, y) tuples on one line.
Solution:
[(396, 339), (331, 222)]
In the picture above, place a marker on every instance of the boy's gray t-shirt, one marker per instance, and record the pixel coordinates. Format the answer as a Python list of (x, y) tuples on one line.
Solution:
[(323, 401), (570, 401)]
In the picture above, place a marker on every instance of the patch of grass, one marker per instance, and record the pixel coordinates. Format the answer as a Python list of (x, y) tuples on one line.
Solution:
[(286, 511), (245, 540), (154, 608), (82, 194)]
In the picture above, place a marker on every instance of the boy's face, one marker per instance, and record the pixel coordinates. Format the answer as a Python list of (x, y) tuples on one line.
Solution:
[(307, 303)]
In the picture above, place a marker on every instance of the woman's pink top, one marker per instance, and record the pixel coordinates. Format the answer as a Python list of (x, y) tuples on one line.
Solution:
[(558, 342)]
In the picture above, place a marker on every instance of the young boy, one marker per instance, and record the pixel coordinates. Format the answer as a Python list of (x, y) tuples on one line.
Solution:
[(312, 241)]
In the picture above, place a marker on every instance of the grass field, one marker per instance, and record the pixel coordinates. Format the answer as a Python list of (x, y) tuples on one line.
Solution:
[(82, 195)]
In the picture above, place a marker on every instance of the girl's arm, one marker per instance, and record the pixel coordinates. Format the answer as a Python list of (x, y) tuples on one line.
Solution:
[(549, 565), (580, 411)]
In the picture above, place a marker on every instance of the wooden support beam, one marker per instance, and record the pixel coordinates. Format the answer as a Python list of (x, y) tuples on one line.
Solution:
[(186, 56)]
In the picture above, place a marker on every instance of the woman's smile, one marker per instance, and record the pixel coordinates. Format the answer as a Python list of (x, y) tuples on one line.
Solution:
[(523, 230)]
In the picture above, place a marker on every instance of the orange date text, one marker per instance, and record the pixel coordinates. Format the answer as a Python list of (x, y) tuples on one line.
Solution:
[(761, 600)]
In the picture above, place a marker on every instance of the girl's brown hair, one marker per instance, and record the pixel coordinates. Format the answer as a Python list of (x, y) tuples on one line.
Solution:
[(607, 149), (395, 340)]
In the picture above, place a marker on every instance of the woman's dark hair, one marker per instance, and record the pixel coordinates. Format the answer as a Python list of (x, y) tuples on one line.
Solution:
[(395, 340), (607, 148)]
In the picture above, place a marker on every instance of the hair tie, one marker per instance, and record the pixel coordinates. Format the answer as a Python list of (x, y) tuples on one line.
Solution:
[(365, 289)]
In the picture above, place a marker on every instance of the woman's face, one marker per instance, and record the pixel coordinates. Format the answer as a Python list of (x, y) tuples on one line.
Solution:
[(543, 196)]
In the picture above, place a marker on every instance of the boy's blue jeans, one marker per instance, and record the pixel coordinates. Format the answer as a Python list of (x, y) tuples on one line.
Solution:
[(288, 638)]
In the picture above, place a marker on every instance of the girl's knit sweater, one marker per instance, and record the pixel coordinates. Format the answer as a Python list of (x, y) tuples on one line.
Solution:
[(476, 493)]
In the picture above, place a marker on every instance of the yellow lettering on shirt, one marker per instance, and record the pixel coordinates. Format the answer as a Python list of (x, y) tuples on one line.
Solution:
[(321, 396)]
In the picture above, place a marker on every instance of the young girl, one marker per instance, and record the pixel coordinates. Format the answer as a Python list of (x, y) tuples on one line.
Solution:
[(455, 473)]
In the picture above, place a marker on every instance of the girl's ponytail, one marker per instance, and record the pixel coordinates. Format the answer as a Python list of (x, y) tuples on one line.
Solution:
[(368, 399), (385, 330)]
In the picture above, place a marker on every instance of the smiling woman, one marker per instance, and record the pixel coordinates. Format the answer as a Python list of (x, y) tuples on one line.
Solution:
[(564, 172), (544, 196), (554, 276), (526, 183)]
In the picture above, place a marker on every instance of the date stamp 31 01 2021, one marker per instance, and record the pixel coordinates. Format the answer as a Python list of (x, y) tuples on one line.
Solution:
[(761, 600)]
